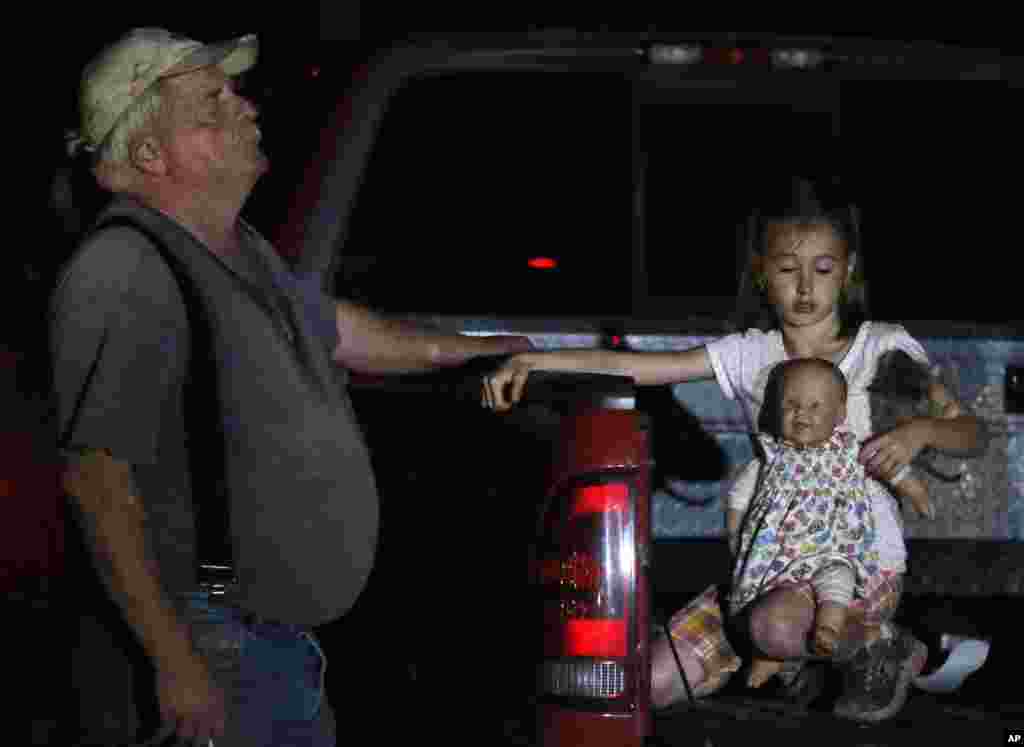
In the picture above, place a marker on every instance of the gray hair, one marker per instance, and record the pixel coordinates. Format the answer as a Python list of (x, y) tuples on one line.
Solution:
[(115, 149)]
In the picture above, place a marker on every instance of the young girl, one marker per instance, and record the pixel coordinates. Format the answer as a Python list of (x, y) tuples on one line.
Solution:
[(801, 296)]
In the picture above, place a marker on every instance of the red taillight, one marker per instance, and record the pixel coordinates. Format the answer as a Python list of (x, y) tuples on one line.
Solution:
[(600, 498), (600, 638), (587, 574)]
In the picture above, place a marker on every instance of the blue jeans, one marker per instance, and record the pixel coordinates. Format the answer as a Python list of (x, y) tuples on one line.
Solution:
[(272, 674)]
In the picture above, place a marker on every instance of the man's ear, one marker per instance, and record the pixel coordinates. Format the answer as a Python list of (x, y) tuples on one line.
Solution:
[(851, 266), (147, 156)]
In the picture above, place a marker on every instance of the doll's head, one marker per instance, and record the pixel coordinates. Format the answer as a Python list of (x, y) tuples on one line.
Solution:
[(805, 401)]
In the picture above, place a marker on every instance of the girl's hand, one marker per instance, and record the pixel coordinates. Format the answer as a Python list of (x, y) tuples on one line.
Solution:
[(885, 455), (504, 387)]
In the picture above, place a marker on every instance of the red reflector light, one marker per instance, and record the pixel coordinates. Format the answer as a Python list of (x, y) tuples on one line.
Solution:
[(599, 499), (542, 263), (723, 56), (595, 638)]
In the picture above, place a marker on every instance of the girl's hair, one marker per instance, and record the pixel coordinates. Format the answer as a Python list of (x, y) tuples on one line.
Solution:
[(801, 201)]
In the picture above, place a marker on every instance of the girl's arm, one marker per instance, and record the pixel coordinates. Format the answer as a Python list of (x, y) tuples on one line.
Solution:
[(504, 387), (948, 428), (733, 519), (737, 501)]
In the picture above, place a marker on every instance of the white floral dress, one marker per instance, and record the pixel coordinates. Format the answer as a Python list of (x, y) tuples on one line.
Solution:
[(811, 510)]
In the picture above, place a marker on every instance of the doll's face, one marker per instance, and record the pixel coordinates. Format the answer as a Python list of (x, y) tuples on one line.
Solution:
[(812, 407)]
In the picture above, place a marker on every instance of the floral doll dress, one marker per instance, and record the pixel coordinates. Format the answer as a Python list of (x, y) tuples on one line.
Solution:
[(811, 510)]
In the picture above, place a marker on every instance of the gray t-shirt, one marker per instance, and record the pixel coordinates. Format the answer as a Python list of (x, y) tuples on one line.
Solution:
[(302, 498)]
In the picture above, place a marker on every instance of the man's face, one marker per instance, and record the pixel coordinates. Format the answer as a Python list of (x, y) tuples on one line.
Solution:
[(812, 405), (209, 132)]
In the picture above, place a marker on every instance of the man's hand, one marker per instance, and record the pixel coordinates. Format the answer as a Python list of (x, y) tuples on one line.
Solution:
[(504, 387), (190, 700)]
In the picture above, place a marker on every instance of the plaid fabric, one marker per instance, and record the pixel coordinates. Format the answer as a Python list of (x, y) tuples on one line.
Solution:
[(701, 626)]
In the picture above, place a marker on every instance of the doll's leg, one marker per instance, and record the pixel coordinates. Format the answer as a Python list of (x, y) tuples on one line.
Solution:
[(779, 624), (762, 670), (828, 628), (833, 587)]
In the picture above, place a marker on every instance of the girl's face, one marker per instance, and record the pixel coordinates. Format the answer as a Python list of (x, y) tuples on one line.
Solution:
[(805, 268)]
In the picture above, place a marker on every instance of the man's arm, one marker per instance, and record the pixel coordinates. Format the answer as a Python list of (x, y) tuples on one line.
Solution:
[(371, 344), (113, 523), (115, 330)]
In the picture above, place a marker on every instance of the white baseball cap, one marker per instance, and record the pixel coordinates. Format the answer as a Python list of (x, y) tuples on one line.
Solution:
[(126, 69)]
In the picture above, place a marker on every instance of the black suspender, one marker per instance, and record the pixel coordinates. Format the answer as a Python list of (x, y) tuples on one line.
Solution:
[(203, 417)]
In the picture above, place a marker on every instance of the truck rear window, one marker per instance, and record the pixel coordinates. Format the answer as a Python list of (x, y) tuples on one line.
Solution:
[(638, 189)]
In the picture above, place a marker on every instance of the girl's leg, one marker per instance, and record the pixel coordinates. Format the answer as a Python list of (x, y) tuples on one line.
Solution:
[(666, 685), (833, 588), (870, 619), (707, 657), (878, 676)]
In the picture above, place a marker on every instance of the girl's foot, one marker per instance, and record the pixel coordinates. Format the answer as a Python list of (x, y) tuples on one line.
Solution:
[(878, 678)]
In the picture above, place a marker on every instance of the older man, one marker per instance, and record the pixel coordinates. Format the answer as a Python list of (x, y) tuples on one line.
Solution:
[(173, 298)]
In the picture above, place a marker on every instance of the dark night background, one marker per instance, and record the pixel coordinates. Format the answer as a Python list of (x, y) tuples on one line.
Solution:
[(974, 267)]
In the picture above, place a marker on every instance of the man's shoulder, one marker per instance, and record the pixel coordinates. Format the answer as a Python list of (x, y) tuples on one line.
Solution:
[(116, 259), (116, 270)]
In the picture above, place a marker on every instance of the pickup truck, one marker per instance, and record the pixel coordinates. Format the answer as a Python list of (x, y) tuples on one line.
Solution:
[(592, 189)]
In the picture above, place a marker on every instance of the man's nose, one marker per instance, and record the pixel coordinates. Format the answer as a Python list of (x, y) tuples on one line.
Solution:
[(247, 108), (252, 111)]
